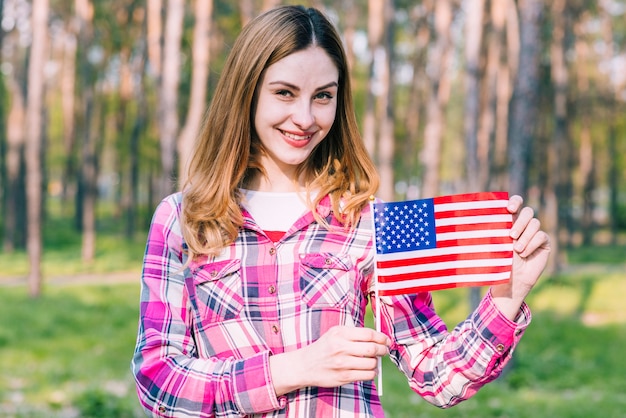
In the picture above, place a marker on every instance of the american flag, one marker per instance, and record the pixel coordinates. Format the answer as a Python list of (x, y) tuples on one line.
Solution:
[(442, 242)]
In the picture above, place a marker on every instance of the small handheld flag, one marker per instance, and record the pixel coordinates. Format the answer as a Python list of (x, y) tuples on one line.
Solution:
[(442, 242)]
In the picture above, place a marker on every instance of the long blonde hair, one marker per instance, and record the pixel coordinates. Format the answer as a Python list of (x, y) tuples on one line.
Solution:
[(226, 151)]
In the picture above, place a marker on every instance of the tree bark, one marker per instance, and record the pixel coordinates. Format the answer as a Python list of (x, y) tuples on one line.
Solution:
[(438, 95), (524, 101), (386, 143), (201, 56), (15, 200), (473, 40), (168, 94), (86, 196), (34, 162)]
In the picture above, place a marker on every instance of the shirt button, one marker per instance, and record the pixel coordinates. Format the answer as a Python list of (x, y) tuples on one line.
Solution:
[(275, 329), (213, 273), (271, 289), (500, 348), (518, 332), (162, 409), (328, 261), (272, 251)]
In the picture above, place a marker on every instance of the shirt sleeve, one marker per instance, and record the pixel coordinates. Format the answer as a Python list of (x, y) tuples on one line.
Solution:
[(447, 367), (171, 379)]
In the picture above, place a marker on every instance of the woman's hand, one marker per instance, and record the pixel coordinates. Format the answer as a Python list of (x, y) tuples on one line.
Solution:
[(531, 248), (344, 354)]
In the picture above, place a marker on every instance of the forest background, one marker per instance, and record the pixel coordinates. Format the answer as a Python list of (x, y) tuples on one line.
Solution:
[(100, 102)]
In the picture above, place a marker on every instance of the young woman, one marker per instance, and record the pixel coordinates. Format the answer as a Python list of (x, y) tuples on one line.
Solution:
[(256, 277)]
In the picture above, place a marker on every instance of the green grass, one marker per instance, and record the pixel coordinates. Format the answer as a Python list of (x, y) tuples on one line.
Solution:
[(66, 347)]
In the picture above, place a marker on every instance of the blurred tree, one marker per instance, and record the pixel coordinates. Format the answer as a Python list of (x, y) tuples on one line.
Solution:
[(201, 56), (523, 115), (87, 181), (34, 149), (438, 73), (167, 113)]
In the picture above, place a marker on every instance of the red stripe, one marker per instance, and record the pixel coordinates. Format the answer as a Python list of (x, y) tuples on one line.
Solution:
[(473, 227), (418, 289), (444, 272), (469, 197), (442, 258), (444, 214)]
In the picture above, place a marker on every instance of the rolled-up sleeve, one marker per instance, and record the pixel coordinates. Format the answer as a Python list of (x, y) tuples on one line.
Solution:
[(447, 367)]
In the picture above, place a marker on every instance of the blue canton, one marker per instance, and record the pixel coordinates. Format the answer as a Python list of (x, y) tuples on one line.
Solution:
[(404, 226)]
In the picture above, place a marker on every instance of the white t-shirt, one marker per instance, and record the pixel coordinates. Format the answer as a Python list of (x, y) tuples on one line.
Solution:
[(274, 211)]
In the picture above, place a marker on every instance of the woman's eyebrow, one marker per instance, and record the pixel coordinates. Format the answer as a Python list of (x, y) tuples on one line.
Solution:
[(294, 87)]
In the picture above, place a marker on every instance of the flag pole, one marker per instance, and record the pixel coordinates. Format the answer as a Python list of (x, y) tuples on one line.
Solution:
[(376, 293)]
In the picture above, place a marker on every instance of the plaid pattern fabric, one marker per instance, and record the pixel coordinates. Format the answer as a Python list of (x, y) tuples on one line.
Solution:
[(206, 331)]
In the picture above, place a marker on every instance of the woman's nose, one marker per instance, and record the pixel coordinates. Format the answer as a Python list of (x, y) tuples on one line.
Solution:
[(302, 114)]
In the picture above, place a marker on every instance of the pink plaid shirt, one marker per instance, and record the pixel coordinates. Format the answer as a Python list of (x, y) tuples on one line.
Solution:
[(206, 331)]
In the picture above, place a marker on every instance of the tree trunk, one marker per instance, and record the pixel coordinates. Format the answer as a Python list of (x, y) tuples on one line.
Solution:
[(201, 56), (14, 236), (34, 163), (473, 40), (154, 35), (86, 196), (524, 102), (613, 170), (438, 95), (168, 94), (555, 194), (375, 33), (385, 109), (68, 109), (586, 156)]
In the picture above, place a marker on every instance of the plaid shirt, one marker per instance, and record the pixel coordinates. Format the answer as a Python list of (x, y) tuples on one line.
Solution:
[(206, 331)]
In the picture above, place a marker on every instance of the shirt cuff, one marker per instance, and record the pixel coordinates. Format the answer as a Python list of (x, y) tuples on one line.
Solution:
[(253, 386), (497, 330)]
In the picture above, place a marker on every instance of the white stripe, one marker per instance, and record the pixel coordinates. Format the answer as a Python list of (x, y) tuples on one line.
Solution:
[(485, 233), (420, 268), (478, 204), (470, 220), (465, 278), (462, 249)]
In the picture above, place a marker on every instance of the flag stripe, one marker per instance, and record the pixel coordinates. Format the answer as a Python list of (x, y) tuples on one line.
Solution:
[(429, 286), (390, 272), (470, 213), (473, 199), (440, 258), (461, 249), (444, 273)]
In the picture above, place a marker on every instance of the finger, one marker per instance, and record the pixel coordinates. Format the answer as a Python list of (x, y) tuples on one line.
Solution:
[(531, 229), (539, 240), (515, 203), (372, 350), (369, 335), (521, 222)]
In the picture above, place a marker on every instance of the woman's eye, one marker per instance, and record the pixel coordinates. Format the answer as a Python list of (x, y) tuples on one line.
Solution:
[(285, 93), (323, 96)]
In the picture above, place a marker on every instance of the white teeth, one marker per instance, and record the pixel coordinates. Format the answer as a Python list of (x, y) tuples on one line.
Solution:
[(296, 137)]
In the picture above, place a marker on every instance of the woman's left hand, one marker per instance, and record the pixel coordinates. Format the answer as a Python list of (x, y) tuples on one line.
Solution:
[(531, 249)]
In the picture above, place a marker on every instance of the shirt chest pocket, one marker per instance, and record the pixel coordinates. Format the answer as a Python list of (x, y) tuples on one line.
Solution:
[(217, 290), (326, 280)]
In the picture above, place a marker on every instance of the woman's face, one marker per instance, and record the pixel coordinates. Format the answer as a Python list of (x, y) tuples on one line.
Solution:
[(296, 106)]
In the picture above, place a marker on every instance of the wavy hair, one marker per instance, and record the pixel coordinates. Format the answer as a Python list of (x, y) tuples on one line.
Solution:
[(226, 151)]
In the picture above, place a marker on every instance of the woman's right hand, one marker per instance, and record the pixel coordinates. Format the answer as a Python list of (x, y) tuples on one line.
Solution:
[(344, 354)]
